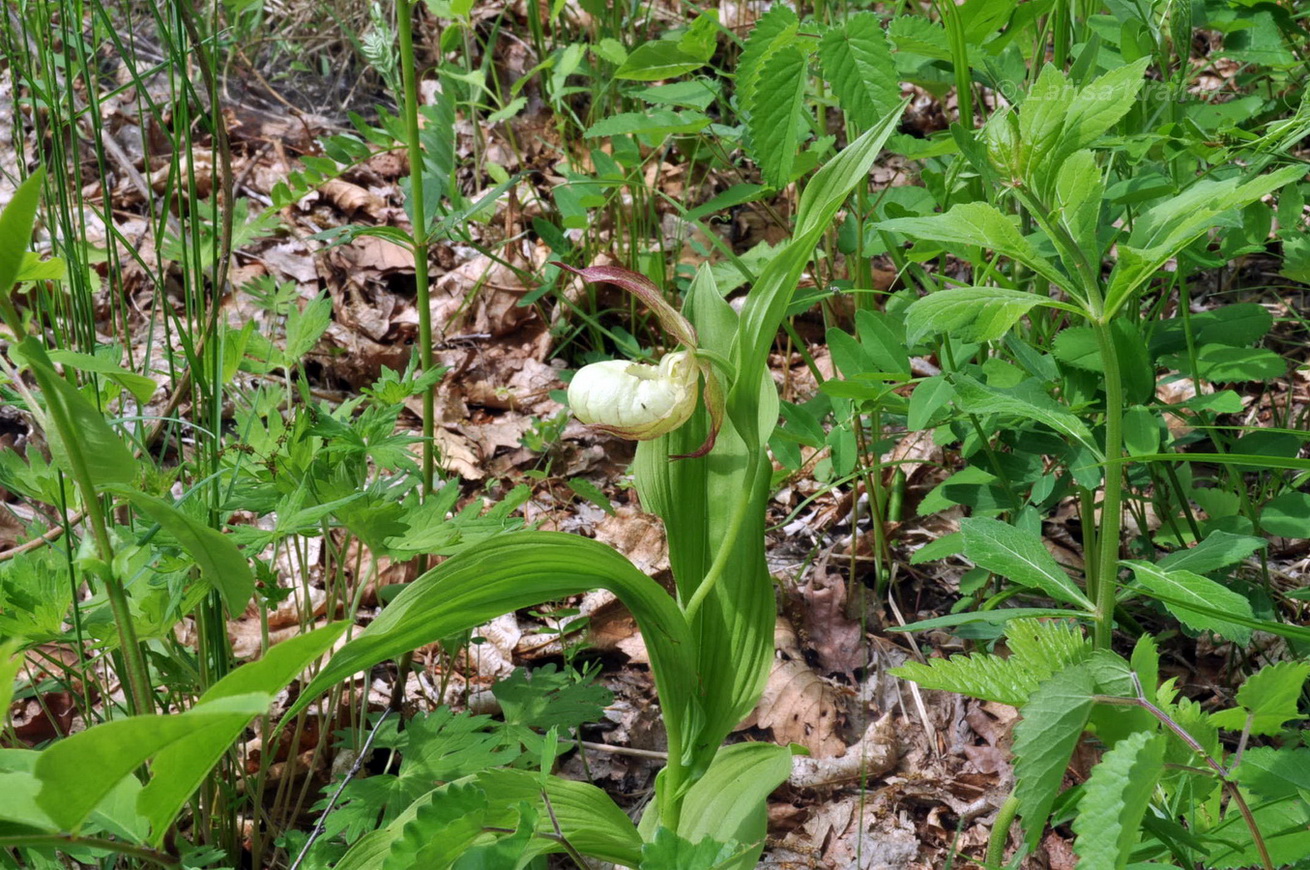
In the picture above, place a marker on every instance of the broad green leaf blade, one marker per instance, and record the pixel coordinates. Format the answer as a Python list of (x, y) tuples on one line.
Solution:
[(523, 570), (306, 327), (1053, 721), (11, 661), (858, 64), (981, 225), (774, 112), (1079, 189), (77, 772), (767, 303), (1184, 586), (219, 560), (1003, 549), (1268, 699), (179, 768), (1099, 106), (1108, 823), (72, 416), (16, 230), (970, 313)]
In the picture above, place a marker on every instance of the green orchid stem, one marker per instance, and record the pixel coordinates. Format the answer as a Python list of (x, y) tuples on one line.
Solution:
[(1107, 559), (409, 79), (1001, 832), (721, 557)]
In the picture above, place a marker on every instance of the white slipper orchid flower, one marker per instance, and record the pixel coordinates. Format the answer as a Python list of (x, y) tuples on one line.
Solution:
[(636, 400), (640, 401)]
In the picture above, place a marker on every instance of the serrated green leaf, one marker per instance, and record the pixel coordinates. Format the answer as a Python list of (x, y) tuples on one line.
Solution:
[(775, 29), (1003, 549), (969, 313), (445, 824), (305, 327), (1185, 586), (858, 64), (1268, 699), (668, 851), (1115, 798), (773, 113), (1052, 724), (1079, 189)]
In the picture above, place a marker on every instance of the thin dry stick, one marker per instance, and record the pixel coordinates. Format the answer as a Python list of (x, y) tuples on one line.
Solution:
[(345, 781)]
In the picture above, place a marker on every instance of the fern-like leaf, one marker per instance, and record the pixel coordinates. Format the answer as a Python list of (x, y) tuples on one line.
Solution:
[(1115, 799), (858, 64), (1053, 721), (1039, 649)]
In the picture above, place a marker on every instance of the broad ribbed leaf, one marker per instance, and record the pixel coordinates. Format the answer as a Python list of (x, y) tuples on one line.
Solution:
[(1177, 588), (774, 111), (523, 570), (729, 801), (1003, 549), (1053, 721), (178, 769), (1108, 823), (77, 772), (970, 313), (858, 64)]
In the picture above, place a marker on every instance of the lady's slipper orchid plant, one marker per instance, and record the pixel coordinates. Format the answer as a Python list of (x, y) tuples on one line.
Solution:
[(639, 401)]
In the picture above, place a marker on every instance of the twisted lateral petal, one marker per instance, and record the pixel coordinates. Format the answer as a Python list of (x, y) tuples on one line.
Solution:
[(635, 400)]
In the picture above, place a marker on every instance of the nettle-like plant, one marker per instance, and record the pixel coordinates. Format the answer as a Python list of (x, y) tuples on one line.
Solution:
[(710, 644), (1041, 156)]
